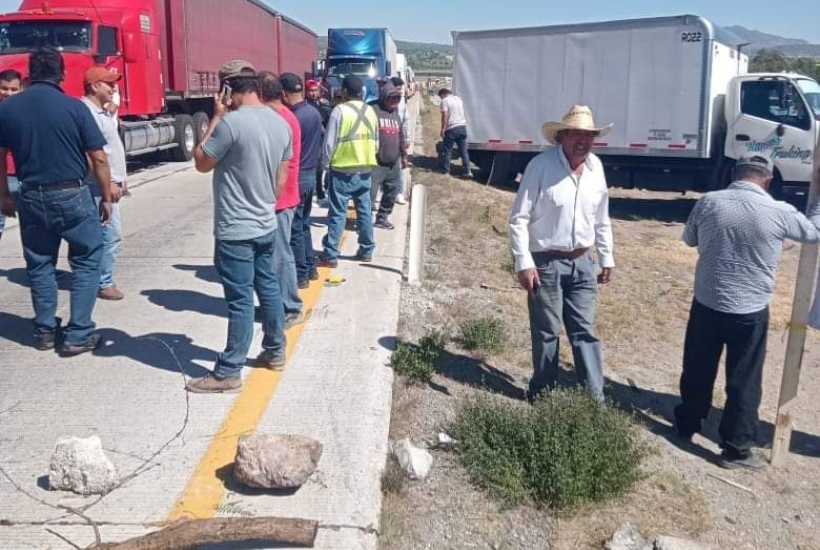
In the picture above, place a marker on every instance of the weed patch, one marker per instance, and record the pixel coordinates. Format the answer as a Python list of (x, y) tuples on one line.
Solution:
[(564, 451), (417, 362), (484, 334)]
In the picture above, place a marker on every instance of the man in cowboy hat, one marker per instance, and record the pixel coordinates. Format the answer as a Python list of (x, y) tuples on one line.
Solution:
[(560, 212)]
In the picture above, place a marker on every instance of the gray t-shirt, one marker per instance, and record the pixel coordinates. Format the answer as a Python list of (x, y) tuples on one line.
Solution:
[(249, 145), (114, 149)]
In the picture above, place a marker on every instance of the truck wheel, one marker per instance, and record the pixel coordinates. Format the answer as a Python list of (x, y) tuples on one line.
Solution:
[(185, 137), (200, 121)]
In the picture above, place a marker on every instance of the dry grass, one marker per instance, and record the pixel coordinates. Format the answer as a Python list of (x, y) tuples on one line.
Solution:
[(641, 319)]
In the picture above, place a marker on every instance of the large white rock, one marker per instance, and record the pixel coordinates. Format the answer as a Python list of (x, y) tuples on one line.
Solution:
[(270, 461), (673, 543), (627, 537), (80, 465), (415, 462)]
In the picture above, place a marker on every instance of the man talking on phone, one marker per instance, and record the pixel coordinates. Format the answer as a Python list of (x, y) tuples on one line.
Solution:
[(248, 147)]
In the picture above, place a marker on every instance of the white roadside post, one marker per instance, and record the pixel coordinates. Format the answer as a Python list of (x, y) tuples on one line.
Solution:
[(418, 209), (804, 287)]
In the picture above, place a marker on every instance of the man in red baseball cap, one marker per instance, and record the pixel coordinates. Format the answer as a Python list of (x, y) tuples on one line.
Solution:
[(99, 88)]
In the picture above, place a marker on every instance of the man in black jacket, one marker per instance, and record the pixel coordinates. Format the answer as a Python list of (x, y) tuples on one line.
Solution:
[(392, 154)]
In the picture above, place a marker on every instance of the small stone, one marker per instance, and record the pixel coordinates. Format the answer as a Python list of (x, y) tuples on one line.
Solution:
[(673, 543), (267, 461), (415, 462), (79, 464), (627, 537), (446, 442)]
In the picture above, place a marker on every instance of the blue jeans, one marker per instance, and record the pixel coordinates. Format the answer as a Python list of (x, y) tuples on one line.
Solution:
[(344, 187), (568, 292), (14, 190), (456, 136), (301, 240), (245, 266), (283, 264), (47, 217), (112, 239)]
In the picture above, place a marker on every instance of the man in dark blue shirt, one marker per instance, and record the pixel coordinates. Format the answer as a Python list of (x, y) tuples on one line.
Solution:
[(310, 122), (52, 136)]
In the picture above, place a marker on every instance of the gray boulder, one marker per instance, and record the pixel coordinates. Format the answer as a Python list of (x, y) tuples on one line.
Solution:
[(80, 465), (414, 461), (267, 461), (627, 537)]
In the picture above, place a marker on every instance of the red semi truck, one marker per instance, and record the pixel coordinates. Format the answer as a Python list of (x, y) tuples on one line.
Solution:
[(168, 51)]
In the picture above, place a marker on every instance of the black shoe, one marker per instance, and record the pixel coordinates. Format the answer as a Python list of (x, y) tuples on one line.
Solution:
[(303, 284), (366, 258), (466, 176), (48, 340), (314, 275), (383, 224), (324, 261), (90, 344), (732, 461)]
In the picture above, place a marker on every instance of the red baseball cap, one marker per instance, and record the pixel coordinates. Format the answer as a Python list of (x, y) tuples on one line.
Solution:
[(310, 84), (101, 74)]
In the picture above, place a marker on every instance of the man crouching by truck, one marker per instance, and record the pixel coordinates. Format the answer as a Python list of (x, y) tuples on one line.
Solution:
[(739, 233), (248, 146), (560, 212)]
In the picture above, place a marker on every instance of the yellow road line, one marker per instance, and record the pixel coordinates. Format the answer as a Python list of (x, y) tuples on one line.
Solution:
[(203, 494)]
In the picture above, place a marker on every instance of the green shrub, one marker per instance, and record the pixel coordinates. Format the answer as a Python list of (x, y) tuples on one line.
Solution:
[(485, 334), (417, 363), (564, 451)]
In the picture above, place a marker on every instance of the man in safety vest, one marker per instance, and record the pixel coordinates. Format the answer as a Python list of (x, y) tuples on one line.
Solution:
[(349, 156)]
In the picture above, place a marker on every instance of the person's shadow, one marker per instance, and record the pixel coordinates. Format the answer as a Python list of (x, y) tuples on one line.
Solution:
[(205, 273), (187, 300), (640, 402), (18, 276), (160, 350)]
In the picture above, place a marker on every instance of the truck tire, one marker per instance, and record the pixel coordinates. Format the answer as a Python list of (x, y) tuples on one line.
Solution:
[(200, 121), (185, 139)]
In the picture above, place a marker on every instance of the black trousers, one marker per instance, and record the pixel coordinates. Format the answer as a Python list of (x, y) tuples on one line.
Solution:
[(744, 337)]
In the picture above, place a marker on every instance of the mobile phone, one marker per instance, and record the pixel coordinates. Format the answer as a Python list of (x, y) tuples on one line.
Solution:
[(227, 91)]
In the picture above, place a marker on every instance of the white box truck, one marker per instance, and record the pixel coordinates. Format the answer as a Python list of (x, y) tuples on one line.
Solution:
[(676, 88)]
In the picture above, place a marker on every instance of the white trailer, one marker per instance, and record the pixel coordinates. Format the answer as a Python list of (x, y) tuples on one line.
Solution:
[(676, 89)]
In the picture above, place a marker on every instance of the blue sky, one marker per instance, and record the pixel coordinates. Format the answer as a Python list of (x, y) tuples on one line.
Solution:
[(432, 20)]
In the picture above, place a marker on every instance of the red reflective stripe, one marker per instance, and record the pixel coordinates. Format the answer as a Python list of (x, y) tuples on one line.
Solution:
[(524, 141), (639, 145), (599, 144), (494, 140), (677, 146)]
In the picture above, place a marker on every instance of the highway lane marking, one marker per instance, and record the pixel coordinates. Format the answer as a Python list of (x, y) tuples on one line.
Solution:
[(205, 490)]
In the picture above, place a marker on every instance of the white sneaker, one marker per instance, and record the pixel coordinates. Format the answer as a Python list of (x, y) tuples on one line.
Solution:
[(400, 199)]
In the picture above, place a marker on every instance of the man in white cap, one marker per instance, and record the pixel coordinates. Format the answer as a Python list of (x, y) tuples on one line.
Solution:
[(739, 233), (561, 212)]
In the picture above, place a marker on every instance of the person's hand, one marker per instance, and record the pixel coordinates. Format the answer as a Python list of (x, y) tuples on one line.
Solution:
[(441, 134), (8, 206), (529, 280), (219, 108), (106, 212), (605, 276), (116, 192), (405, 163)]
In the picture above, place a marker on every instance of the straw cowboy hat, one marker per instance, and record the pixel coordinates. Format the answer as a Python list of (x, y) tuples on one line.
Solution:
[(579, 117)]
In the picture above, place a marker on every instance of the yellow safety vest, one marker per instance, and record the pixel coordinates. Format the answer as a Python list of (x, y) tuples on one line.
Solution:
[(358, 131)]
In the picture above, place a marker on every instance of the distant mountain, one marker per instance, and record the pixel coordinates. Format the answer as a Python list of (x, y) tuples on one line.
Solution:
[(793, 47), (420, 55)]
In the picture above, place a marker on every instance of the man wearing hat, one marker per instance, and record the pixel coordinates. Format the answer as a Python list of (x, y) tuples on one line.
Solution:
[(99, 84), (349, 154), (248, 147), (739, 233), (560, 212), (313, 97)]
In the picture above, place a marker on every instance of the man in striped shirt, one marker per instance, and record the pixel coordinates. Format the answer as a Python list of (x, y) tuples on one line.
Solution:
[(739, 232)]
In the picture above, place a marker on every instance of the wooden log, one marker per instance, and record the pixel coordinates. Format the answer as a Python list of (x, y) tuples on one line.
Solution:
[(189, 534)]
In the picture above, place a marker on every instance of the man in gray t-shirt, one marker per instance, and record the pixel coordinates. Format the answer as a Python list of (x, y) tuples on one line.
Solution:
[(248, 147), (99, 85)]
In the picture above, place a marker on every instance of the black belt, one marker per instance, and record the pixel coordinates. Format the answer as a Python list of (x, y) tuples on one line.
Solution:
[(56, 186)]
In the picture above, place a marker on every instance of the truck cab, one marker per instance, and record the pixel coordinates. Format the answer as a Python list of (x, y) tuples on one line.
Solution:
[(775, 114), (366, 53)]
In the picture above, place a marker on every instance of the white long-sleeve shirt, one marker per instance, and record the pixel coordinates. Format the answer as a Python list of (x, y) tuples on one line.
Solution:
[(556, 210)]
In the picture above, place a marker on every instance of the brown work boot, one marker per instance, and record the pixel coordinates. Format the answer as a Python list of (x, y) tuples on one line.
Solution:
[(271, 360), (211, 384), (110, 293)]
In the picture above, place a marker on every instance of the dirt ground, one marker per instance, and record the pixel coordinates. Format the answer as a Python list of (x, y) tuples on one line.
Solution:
[(641, 320)]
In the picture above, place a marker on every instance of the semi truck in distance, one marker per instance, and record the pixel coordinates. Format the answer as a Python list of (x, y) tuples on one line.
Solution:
[(369, 54), (168, 51), (676, 88)]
